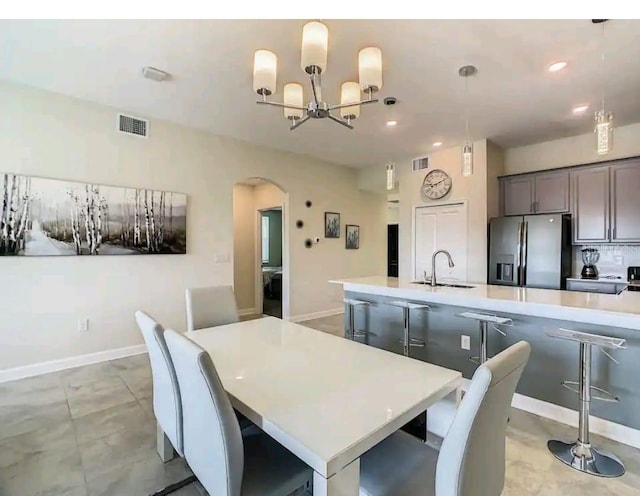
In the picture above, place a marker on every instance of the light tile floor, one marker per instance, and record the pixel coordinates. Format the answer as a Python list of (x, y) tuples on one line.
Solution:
[(90, 431)]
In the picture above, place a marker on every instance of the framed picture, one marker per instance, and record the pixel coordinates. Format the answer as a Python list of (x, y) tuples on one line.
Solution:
[(49, 217), (353, 237), (331, 225)]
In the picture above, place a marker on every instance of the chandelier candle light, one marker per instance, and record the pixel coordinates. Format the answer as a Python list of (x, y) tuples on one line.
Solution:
[(467, 149), (604, 119), (315, 37)]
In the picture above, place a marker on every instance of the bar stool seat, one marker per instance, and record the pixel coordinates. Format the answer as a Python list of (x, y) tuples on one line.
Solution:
[(350, 331), (581, 455), (408, 342)]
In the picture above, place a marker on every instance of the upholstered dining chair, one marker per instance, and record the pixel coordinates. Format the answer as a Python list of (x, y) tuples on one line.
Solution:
[(224, 462), (210, 307), (471, 461), (167, 406)]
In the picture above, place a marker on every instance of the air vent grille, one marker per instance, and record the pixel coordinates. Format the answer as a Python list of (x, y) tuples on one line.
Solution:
[(420, 163), (132, 125)]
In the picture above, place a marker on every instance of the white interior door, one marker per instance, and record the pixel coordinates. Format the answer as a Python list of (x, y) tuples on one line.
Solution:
[(441, 227)]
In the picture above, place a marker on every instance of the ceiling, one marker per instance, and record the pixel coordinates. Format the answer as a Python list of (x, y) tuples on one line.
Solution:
[(513, 100)]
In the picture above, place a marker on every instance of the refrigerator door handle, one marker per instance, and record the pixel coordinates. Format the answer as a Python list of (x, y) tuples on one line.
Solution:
[(525, 236), (519, 255)]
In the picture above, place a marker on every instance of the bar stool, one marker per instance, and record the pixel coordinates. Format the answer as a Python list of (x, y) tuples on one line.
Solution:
[(350, 331), (407, 341), (580, 454), (483, 323)]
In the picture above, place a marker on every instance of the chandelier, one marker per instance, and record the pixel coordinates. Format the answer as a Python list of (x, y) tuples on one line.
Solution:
[(315, 36)]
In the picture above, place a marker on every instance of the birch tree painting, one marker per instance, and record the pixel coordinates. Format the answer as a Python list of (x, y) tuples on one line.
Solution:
[(40, 217)]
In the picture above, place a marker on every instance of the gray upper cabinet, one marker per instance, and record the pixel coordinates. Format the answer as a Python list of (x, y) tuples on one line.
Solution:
[(625, 202), (551, 193), (590, 202), (517, 195)]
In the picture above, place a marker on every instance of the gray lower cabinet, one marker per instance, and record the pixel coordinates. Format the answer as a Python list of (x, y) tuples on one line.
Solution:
[(625, 202), (551, 193), (590, 204), (517, 194)]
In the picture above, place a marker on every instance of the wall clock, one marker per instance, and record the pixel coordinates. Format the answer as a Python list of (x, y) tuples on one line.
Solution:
[(436, 184)]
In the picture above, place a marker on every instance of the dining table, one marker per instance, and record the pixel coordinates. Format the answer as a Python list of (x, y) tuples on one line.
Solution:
[(325, 398)]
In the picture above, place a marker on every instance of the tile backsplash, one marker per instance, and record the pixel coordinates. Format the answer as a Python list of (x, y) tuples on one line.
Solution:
[(614, 259)]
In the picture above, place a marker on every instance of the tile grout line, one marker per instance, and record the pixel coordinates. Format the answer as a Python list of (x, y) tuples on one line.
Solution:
[(75, 438)]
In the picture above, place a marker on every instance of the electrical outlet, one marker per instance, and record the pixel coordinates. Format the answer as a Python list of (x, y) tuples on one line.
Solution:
[(83, 325), (465, 342)]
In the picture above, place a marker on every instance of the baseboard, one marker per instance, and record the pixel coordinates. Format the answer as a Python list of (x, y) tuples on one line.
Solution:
[(606, 428), (247, 311), (25, 371), (316, 315)]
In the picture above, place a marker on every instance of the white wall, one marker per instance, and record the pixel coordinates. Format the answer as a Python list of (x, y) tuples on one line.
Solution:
[(48, 135), (576, 150), (472, 188), (495, 168)]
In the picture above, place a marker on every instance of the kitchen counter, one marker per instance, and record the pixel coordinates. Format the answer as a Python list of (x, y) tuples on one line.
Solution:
[(621, 310)]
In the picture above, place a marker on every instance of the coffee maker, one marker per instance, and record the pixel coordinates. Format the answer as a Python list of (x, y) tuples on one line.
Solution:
[(590, 257)]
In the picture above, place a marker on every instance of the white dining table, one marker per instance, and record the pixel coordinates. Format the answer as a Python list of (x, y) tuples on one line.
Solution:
[(326, 399)]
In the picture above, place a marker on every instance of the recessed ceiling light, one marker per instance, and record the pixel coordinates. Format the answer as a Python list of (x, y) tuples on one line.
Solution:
[(557, 66), (580, 109), (438, 143), (392, 123)]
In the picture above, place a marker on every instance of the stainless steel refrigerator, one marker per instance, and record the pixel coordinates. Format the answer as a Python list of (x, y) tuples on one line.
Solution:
[(532, 251)]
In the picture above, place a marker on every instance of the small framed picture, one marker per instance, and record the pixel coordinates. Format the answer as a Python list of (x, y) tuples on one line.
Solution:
[(331, 225), (353, 237)]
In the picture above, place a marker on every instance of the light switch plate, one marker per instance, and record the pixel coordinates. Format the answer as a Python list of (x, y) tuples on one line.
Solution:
[(221, 258), (465, 342)]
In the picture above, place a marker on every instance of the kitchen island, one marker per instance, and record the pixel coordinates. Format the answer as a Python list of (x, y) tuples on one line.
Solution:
[(533, 313)]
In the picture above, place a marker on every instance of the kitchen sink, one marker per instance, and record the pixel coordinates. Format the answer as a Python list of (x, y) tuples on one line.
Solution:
[(444, 285)]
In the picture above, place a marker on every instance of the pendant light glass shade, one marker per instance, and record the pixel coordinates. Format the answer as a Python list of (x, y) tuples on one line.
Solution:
[(315, 42), (265, 65), (350, 94), (604, 132), (293, 95), (370, 68), (467, 160), (391, 180)]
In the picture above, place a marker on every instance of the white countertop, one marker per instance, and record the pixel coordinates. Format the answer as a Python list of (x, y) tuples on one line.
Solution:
[(325, 398), (621, 310)]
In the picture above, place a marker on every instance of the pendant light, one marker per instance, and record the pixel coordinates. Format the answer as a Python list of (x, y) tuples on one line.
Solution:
[(467, 149), (391, 179), (604, 120)]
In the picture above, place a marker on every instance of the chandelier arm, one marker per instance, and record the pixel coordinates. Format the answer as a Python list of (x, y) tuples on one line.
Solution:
[(299, 123), (339, 121), (282, 105), (345, 105), (314, 88)]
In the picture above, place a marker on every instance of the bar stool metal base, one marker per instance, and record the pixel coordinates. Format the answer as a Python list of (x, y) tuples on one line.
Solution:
[(586, 458)]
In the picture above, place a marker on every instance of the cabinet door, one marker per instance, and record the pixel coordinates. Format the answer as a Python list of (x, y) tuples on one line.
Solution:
[(625, 202), (590, 195), (551, 193), (518, 195)]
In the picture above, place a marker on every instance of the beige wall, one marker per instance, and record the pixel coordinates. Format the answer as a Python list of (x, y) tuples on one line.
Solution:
[(247, 200), (495, 168), (48, 135), (576, 150)]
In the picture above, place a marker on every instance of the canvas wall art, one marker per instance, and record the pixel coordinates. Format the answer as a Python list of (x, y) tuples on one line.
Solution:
[(45, 217), (331, 225), (352, 237)]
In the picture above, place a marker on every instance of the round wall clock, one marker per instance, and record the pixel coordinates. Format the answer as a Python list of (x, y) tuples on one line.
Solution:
[(436, 184)]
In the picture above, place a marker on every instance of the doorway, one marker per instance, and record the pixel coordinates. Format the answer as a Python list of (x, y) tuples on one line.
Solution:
[(260, 248), (271, 260), (393, 247)]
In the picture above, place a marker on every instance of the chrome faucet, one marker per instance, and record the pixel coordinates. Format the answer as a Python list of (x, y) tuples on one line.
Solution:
[(433, 265)]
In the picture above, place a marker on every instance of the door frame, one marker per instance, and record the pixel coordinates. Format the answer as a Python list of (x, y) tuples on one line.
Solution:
[(259, 288), (446, 203)]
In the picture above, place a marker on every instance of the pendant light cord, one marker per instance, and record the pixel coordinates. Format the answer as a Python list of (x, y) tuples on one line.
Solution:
[(604, 69), (466, 124)]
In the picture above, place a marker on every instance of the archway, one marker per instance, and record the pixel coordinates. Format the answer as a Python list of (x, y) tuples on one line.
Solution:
[(261, 247)]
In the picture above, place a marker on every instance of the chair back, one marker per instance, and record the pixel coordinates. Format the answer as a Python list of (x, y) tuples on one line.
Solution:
[(472, 457), (213, 445), (166, 393), (210, 307)]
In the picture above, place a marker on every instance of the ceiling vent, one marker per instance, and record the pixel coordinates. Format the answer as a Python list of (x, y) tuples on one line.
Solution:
[(132, 125), (420, 163)]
